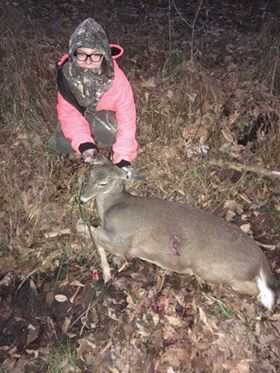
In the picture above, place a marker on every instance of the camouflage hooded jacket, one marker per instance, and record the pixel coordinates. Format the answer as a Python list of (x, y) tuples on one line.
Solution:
[(81, 93)]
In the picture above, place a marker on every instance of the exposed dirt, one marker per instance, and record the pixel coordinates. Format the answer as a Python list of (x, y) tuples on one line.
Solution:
[(206, 79)]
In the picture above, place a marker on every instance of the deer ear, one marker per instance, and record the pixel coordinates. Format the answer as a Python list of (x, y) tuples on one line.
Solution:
[(129, 173)]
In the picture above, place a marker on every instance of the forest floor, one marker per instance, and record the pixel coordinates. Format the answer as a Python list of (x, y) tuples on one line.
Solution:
[(206, 79)]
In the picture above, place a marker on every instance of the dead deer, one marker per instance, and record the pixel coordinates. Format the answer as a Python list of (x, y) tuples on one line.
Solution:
[(175, 236)]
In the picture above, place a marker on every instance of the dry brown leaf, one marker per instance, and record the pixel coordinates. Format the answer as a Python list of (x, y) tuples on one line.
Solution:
[(210, 324), (173, 320), (275, 317), (227, 135), (277, 206), (33, 332), (234, 206), (149, 83), (35, 353), (170, 370), (173, 357), (156, 318), (66, 324), (242, 366), (86, 351), (193, 134), (230, 215), (170, 94), (67, 367), (77, 283), (246, 228), (169, 333)]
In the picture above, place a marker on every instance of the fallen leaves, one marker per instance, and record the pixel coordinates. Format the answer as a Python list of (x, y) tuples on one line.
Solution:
[(86, 351), (138, 323)]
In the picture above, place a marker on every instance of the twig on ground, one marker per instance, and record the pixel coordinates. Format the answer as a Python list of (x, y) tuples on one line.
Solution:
[(26, 278), (243, 167), (56, 233), (83, 315), (266, 246)]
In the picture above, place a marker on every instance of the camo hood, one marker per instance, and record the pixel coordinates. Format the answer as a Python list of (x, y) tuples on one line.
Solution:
[(87, 85), (90, 34)]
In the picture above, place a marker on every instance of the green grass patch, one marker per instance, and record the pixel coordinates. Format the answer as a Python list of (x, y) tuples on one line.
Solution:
[(61, 356)]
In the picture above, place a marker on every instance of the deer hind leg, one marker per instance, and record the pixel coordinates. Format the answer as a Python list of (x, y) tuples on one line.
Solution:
[(245, 287)]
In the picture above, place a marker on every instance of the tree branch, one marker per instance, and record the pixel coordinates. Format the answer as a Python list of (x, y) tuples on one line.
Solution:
[(264, 172)]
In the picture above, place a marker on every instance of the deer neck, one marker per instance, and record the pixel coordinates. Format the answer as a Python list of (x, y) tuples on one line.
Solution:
[(106, 199)]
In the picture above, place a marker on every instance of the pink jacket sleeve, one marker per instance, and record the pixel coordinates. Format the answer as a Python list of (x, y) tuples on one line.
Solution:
[(120, 99), (73, 124)]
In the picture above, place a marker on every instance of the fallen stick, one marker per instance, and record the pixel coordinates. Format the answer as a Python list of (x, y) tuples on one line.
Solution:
[(56, 233), (243, 167)]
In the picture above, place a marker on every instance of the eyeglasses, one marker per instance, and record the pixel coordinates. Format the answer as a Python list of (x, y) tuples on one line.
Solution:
[(83, 57)]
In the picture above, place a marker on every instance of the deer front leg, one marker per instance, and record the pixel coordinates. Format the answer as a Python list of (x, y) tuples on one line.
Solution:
[(89, 231), (106, 270)]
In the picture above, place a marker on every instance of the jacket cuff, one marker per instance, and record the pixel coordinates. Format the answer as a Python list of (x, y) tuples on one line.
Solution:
[(87, 145), (123, 163)]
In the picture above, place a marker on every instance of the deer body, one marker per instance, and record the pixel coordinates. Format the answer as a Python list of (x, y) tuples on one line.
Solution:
[(176, 236)]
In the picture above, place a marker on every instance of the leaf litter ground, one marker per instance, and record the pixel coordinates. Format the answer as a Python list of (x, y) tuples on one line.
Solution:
[(206, 80)]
